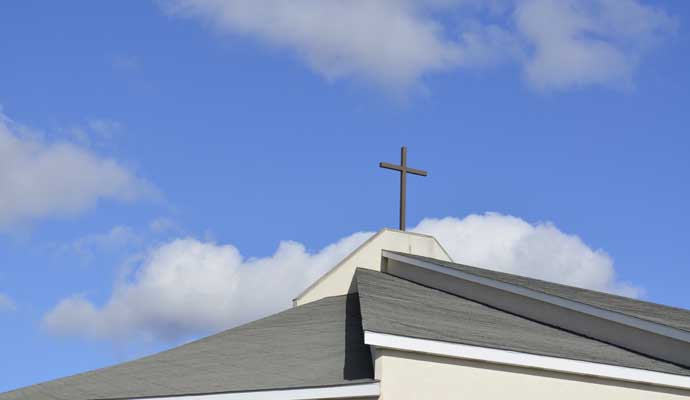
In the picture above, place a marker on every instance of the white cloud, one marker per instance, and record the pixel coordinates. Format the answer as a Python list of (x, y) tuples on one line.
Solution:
[(577, 42), (384, 41), (512, 245), (41, 179), (6, 303), (558, 43), (187, 286)]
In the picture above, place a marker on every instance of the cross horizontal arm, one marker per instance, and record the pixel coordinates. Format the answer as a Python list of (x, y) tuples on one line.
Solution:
[(402, 169), (416, 171), (390, 166)]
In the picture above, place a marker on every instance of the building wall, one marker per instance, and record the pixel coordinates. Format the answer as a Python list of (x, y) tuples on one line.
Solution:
[(338, 280), (405, 375), (361, 398)]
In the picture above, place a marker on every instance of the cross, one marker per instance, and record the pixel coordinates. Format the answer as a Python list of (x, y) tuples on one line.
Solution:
[(404, 170)]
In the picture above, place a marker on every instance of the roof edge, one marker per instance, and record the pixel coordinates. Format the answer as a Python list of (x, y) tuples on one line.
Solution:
[(533, 361), (354, 390)]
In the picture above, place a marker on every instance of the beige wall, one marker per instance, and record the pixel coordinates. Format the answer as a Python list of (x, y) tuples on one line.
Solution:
[(418, 376), (338, 280), (361, 398)]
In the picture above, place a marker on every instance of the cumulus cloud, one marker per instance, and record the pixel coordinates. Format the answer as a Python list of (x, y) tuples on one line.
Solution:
[(187, 286), (383, 41), (41, 179), (510, 244), (581, 42), (558, 43), (6, 303)]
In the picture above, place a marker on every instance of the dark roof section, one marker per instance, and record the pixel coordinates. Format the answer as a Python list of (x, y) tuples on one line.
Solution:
[(318, 344), (670, 316), (399, 307)]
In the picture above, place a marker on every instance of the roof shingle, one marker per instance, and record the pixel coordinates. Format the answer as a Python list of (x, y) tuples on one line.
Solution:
[(395, 306), (670, 316), (318, 344)]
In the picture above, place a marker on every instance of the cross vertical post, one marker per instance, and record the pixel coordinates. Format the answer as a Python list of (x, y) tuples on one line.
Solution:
[(403, 184), (404, 170)]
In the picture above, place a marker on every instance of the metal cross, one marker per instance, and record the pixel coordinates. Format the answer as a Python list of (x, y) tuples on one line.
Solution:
[(404, 170)]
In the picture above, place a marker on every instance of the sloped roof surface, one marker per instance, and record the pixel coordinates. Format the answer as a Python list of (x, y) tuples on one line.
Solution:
[(671, 316), (318, 344), (399, 307)]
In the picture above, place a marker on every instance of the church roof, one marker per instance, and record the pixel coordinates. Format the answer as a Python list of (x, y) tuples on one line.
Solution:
[(323, 344), (399, 307), (316, 345), (670, 316)]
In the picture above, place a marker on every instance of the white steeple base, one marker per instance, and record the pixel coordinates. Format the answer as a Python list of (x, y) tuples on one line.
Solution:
[(338, 280)]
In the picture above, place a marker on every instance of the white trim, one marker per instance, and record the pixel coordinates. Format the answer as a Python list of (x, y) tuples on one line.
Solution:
[(624, 319), (456, 350), (331, 392)]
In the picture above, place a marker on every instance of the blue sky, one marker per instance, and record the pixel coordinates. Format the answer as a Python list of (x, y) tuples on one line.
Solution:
[(235, 145)]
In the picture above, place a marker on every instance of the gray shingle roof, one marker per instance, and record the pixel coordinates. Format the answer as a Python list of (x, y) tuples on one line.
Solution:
[(318, 344), (399, 307), (671, 316), (321, 343)]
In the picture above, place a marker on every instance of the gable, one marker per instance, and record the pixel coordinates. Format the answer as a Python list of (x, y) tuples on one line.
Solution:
[(338, 281)]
